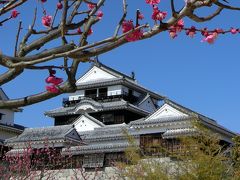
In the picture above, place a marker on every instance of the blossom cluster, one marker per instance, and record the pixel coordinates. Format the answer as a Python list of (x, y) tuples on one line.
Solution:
[(53, 81)]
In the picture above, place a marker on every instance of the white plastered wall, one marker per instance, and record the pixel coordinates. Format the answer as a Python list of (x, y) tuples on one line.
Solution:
[(7, 117), (166, 111), (95, 74), (85, 124), (76, 95), (114, 90)]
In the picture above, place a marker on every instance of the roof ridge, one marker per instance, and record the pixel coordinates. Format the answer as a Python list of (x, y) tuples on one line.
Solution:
[(99, 64), (47, 127), (188, 110)]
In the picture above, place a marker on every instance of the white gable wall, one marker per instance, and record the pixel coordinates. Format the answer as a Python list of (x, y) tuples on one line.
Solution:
[(85, 124), (95, 74), (8, 117), (166, 111)]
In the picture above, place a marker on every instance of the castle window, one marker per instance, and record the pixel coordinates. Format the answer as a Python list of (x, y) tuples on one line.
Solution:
[(112, 158), (107, 118), (92, 93), (93, 160), (119, 119), (102, 92)]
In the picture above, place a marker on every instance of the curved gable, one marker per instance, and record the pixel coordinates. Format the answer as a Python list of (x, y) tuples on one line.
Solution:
[(95, 74)]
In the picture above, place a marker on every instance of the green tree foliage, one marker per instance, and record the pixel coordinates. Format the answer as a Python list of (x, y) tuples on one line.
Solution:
[(201, 156)]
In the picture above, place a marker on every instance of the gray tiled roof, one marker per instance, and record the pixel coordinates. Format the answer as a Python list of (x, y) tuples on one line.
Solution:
[(41, 134), (166, 119), (96, 148), (14, 127), (171, 133), (107, 132), (99, 106), (205, 120)]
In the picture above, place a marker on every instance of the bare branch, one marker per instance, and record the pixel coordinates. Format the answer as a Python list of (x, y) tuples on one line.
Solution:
[(74, 11), (226, 6), (207, 18), (64, 16), (32, 99), (174, 12), (122, 19), (10, 75), (17, 38), (44, 67), (30, 30), (11, 5)]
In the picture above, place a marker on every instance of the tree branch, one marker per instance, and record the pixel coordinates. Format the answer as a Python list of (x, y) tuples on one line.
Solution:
[(32, 99), (207, 18), (226, 6)]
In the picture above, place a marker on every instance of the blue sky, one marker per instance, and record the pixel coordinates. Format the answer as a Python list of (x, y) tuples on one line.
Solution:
[(200, 76)]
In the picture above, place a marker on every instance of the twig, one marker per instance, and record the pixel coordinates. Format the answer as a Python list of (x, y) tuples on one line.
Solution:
[(122, 19), (5, 20), (11, 5), (207, 18), (17, 38), (226, 6), (45, 67), (74, 11), (174, 13), (54, 17), (30, 30)]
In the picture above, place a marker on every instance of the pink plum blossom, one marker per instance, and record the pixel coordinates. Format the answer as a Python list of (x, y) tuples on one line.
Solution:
[(234, 31), (54, 80), (52, 89), (153, 2), (90, 31), (79, 31), (135, 35), (210, 38), (99, 14), (179, 26), (191, 32), (47, 20), (14, 13), (59, 5), (158, 15), (140, 16), (173, 34), (127, 26), (91, 6)]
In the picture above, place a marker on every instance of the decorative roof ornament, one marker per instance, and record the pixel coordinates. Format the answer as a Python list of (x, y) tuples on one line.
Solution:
[(133, 75), (96, 61)]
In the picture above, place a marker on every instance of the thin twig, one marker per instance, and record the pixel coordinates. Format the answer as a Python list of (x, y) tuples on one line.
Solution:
[(54, 17), (45, 67), (122, 19), (17, 38)]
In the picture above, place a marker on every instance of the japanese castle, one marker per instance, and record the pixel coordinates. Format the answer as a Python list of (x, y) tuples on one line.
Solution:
[(91, 123)]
